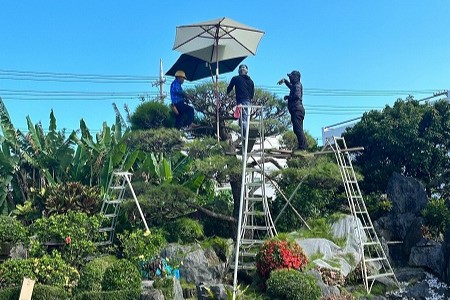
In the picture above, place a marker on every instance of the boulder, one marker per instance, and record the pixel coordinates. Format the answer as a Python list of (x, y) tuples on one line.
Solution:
[(218, 290), (428, 254), (199, 265), (407, 195)]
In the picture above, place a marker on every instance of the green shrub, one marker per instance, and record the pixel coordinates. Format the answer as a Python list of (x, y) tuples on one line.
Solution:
[(184, 231), (165, 285), (377, 205), (129, 294), (149, 115), (162, 204), (289, 141), (160, 140), (91, 276), (12, 231), (47, 270), (292, 285), (436, 218), (221, 247), (75, 232), (141, 245), (12, 272), (40, 292), (121, 275)]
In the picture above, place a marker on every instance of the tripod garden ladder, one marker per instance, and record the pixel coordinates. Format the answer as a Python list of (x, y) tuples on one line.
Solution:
[(255, 222), (113, 197), (375, 263)]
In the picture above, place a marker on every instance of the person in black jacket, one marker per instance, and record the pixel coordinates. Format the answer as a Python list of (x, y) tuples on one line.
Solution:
[(295, 106), (245, 90)]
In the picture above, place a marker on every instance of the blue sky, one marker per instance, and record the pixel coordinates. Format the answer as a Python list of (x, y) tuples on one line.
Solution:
[(353, 55)]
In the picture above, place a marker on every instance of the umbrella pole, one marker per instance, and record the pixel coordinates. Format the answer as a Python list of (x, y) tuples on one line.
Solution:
[(217, 82)]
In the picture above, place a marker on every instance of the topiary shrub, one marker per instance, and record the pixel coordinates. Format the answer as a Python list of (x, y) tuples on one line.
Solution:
[(141, 245), (91, 276), (279, 254), (184, 231), (293, 285), (121, 275), (40, 292), (75, 233), (12, 231), (110, 295), (161, 140), (47, 270), (149, 115)]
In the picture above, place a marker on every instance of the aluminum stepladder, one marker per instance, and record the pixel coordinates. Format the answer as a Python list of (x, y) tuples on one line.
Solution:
[(112, 199), (255, 223), (375, 263)]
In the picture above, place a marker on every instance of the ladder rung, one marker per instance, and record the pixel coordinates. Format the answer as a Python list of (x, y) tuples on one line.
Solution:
[(117, 201), (244, 266), (254, 227), (247, 254), (371, 243), (372, 259), (109, 215), (106, 229), (251, 242), (370, 277), (257, 199), (368, 227), (254, 213), (254, 184), (117, 187), (121, 173)]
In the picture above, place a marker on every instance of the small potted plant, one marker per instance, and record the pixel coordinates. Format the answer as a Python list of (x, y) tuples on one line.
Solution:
[(12, 232)]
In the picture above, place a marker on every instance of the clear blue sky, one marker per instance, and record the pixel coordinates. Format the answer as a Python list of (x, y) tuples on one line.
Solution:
[(353, 55)]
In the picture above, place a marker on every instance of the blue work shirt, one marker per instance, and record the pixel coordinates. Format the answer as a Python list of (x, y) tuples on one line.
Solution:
[(176, 92)]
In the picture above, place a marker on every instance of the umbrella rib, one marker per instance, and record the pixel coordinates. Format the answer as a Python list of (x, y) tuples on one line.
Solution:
[(237, 41)]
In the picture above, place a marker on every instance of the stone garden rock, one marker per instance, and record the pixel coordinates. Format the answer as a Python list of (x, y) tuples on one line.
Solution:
[(428, 254)]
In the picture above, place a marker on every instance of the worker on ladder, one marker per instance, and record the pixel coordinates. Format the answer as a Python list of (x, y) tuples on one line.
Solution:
[(245, 91)]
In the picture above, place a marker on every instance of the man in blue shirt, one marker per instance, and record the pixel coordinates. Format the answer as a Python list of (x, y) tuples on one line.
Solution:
[(183, 112)]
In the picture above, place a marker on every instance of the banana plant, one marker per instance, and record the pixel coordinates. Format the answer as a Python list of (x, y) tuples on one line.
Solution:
[(97, 159)]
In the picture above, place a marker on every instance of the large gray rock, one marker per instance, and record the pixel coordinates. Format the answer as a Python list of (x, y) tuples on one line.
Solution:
[(218, 290), (152, 294), (407, 195), (403, 223), (334, 257), (428, 254), (199, 265)]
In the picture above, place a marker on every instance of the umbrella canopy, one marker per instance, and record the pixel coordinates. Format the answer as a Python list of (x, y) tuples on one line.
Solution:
[(196, 68), (217, 40)]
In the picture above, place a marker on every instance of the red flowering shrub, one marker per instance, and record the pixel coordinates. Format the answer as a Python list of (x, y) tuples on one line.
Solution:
[(276, 254)]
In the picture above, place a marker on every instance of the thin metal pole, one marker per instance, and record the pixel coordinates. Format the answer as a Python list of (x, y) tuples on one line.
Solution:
[(241, 203), (137, 202)]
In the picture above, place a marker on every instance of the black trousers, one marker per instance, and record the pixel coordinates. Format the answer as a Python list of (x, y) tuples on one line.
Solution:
[(185, 115), (297, 117)]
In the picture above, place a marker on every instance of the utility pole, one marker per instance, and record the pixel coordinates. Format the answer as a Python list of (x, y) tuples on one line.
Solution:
[(160, 82)]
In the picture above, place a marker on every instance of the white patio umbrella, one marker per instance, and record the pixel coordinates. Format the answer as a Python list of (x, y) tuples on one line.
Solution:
[(217, 40)]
